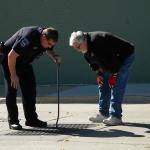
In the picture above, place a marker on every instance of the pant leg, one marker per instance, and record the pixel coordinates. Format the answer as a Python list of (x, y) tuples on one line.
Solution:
[(11, 94), (104, 96), (28, 88), (118, 90)]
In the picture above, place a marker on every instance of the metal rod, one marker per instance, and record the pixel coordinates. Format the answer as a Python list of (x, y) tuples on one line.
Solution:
[(58, 96)]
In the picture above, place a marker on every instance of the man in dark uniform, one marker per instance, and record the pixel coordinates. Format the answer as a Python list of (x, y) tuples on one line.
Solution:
[(111, 58), (18, 52)]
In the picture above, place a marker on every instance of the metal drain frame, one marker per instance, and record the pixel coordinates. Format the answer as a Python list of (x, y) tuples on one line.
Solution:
[(50, 130)]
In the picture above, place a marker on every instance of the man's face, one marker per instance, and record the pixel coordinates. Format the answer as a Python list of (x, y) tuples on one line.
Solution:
[(47, 43), (82, 47)]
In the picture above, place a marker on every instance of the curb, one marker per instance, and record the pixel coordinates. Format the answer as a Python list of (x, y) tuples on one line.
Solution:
[(128, 99)]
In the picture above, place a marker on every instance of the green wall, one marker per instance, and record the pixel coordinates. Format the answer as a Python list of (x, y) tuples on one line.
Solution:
[(126, 18)]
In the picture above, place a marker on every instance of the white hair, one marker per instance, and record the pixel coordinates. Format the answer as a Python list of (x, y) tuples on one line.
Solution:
[(76, 37)]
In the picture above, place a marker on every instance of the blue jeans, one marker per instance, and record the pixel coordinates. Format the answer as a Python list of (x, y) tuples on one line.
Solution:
[(110, 100)]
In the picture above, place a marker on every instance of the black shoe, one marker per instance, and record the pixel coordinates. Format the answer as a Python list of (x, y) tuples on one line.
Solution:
[(36, 123), (15, 126)]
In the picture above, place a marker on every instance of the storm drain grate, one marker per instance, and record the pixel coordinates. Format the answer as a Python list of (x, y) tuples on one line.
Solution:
[(70, 126), (52, 130), (35, 131)]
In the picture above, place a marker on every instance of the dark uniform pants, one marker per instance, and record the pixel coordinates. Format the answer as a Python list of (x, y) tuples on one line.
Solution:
[(28, 88)]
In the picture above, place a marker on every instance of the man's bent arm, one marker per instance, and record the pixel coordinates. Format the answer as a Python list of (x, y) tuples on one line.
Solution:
[(12, 56)]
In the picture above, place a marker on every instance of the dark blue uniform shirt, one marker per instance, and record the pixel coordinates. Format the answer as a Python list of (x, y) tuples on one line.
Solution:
[(26, 43)]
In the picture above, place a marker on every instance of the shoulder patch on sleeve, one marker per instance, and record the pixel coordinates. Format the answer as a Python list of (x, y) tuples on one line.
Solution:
[(24, 42)]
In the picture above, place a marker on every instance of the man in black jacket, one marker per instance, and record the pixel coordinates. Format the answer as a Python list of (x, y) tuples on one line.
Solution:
[(18, 53), (111, 58)]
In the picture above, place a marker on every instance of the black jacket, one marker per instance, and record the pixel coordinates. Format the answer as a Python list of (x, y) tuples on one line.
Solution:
[(107, 51)]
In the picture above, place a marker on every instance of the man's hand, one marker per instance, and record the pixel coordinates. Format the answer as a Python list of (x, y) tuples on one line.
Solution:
[(14, 81), (57, 59), (112, 80), (99, 80)]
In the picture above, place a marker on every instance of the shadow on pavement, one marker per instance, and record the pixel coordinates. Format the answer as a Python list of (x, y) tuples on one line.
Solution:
[(75, 131), (95, 133), (141, 125)]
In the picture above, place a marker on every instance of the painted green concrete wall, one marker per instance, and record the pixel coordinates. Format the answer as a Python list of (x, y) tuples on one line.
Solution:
[(126, 18)]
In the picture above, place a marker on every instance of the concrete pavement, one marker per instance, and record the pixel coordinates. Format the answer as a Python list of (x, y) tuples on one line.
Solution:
[(78, 132)]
